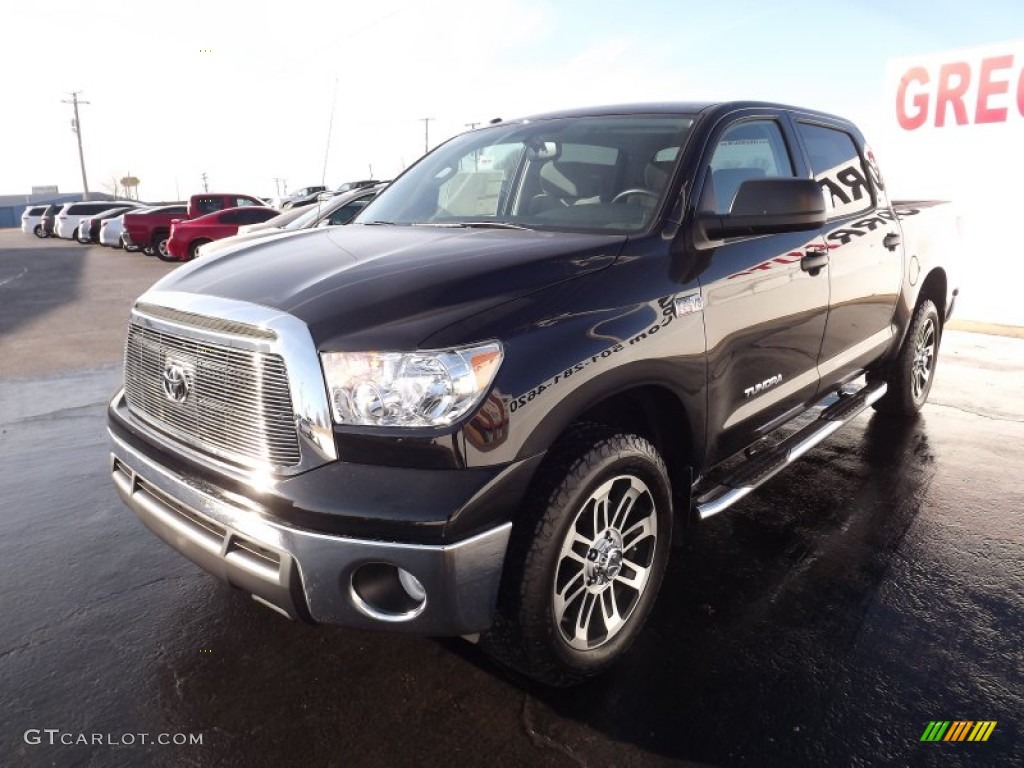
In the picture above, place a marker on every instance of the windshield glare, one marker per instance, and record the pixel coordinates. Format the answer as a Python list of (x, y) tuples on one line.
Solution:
[(604, 174)]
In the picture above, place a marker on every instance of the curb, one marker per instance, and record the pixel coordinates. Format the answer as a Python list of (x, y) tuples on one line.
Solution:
[(992, 329)]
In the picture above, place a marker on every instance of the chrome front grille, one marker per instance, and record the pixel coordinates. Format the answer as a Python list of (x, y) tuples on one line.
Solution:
[(236, 404)]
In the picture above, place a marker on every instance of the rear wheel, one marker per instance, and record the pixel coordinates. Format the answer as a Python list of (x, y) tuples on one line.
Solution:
[(586, 563), (911, 374), (160, 246)]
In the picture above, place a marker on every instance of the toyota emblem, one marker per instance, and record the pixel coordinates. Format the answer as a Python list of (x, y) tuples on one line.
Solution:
[(176, 383)]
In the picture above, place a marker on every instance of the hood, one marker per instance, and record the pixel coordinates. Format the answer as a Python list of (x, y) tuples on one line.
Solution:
[(241, 239), (391, 287)]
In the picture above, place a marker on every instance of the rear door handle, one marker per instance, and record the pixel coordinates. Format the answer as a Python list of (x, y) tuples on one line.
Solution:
[(891, 240), (814, 262)]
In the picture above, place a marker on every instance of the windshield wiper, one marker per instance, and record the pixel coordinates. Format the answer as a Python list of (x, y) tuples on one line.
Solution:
[(378, 223), (470, 224), (492, 225)]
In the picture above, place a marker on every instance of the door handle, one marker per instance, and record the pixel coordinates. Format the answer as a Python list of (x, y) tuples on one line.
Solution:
[(814, 262), (891, 240)]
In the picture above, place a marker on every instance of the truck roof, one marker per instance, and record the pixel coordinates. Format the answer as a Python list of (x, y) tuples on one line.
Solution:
[(673, 107)]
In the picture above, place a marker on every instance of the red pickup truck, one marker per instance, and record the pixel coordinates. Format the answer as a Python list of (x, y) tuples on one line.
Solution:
[(151, 231)]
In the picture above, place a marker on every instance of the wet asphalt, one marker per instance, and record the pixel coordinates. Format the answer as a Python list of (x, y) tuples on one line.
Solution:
[(823, 621)]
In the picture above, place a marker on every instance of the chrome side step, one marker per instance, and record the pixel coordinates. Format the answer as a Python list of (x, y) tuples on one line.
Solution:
[(764, 466)]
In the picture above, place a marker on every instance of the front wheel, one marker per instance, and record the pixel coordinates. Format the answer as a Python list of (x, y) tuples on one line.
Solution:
[(585, 565), (39, 232), (911, 374)]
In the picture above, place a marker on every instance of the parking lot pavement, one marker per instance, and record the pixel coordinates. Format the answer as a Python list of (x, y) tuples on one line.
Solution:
[(874, 587)]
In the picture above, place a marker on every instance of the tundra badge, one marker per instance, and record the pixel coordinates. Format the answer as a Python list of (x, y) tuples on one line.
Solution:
[(766, 384)]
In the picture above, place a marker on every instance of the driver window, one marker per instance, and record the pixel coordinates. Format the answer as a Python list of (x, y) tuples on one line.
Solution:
[(754, 149)]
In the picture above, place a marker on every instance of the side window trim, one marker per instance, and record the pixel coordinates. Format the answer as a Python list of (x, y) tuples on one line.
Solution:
[(834, 214), (787, 146)]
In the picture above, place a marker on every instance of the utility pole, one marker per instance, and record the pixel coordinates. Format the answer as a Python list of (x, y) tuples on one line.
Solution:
[(426, 133), (76, 126), (476, 153), (206, 187)]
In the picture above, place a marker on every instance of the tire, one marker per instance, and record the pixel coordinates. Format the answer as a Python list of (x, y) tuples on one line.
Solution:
[(193, 248), (579, 579), (911, 374), (159, 246), (39, 232)]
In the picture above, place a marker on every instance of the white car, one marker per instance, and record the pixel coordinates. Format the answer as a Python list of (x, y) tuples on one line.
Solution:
[(32, 220), (340, 210), (89, 228), (112, 229), (71, 215)]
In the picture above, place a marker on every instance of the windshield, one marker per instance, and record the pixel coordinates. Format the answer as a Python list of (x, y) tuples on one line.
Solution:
[(308, 217), (589, 174)]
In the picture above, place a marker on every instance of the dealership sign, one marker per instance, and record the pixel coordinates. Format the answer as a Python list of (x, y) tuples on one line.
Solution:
[(976, 86), (952, 130)]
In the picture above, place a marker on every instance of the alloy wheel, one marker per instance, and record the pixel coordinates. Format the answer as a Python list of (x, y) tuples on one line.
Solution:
[(605, 562), (924, 359)]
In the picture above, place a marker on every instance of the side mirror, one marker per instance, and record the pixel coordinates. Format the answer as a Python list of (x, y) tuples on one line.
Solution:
[(768, 207)]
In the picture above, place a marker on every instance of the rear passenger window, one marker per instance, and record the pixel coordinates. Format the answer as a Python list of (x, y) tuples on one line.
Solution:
[(754, 149), (838, 168), (208, 205), (257, 217)]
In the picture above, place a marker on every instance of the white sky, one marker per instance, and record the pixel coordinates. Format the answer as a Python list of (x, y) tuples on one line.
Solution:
[(257, 105)]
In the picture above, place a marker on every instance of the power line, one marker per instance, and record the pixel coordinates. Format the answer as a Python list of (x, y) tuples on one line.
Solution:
[(76, 126)]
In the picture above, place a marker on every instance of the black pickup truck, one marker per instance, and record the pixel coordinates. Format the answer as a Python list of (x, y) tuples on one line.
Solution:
[(483, 408)]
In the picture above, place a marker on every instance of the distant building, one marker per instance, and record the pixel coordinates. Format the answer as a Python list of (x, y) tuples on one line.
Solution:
[(12, 206)]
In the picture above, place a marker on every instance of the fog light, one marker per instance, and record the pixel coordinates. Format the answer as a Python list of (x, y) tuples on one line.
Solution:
[(412, 585), (386, 592)]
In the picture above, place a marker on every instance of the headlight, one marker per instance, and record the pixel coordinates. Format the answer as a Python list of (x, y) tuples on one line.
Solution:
[(409, 389)]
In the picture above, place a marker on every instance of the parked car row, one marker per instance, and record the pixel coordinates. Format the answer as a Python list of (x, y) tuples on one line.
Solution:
[(181, 231), (339, 210), (310, 195), (64, 219)]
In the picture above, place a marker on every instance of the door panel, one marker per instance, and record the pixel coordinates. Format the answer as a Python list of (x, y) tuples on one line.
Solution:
[(865, 276), (764, 319), (764, 315)]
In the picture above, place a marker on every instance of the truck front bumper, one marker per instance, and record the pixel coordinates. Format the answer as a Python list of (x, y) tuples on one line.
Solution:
[(306, 574)]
